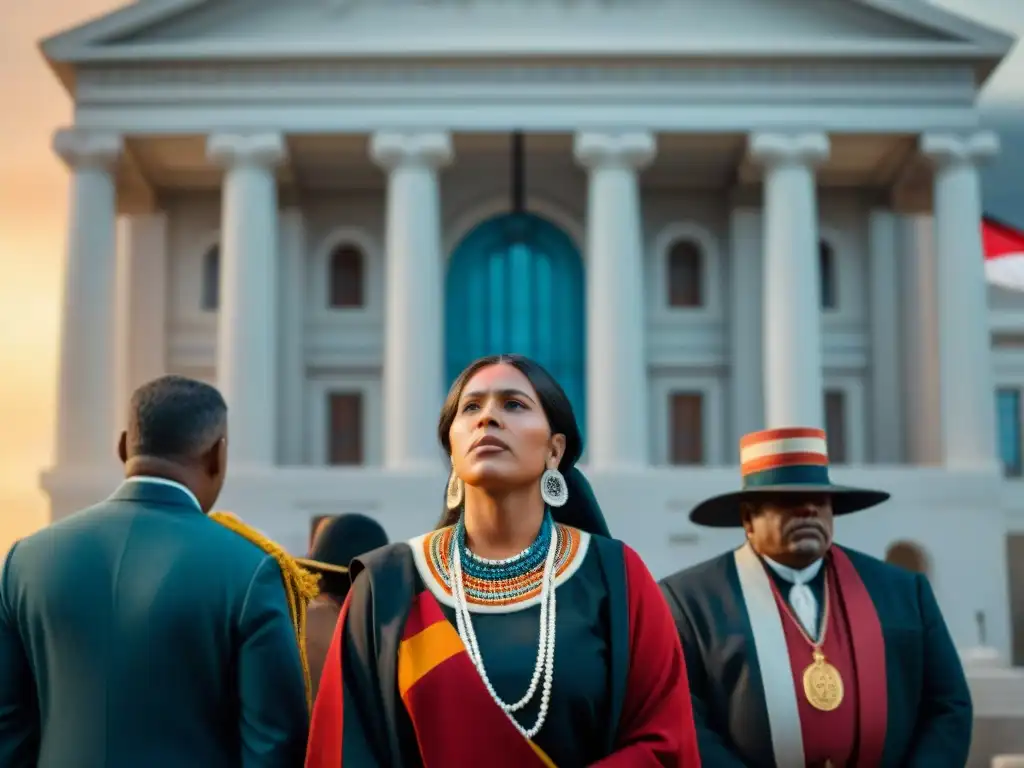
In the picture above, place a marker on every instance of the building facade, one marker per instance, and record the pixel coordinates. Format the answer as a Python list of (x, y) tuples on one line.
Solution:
[(702, 227)]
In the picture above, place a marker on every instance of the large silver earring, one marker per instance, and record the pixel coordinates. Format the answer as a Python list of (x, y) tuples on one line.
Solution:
[(454, 493), (553, 488)]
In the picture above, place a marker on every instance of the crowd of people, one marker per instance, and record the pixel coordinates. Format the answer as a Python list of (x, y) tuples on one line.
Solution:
[(149, 631)]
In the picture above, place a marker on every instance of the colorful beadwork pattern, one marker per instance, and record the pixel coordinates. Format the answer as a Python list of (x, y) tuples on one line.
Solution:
[(507, 588)]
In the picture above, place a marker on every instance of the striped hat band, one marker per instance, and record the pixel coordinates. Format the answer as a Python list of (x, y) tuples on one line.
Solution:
[(792, 456)]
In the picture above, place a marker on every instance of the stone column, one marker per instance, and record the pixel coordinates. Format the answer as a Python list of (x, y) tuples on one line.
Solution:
[(965, 365), (745, 345), (293, 298), (884, 302), (141, 304), (793, 389), (617, 385), (87, 385), (920, 341), (247, 321), (414, 302)]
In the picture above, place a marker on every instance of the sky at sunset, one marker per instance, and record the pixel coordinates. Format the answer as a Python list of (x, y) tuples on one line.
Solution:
[(32, 220)]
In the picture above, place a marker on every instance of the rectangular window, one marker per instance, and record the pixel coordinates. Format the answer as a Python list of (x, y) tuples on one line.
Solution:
[(686, 422), (345, 428), (685, 275), (1009, 430), (835, 426)]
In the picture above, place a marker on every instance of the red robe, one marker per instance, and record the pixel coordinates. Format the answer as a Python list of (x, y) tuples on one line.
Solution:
[(655, 728)]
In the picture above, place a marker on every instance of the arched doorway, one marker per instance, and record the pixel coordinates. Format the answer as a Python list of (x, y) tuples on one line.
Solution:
[(515, 285)]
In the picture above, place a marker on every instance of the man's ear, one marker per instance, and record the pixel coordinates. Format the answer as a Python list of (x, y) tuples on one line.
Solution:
[(215, 458), (746, 517), (122, 447)]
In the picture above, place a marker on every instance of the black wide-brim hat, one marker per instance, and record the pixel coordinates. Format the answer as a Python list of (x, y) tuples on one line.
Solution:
[(783, 461), (342, 539)]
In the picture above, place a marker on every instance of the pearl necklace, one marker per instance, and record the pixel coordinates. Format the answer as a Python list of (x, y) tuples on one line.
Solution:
[(545, 644)]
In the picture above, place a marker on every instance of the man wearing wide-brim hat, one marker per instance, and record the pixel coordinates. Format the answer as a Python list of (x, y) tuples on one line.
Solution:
[(800, 652), (337, 541)]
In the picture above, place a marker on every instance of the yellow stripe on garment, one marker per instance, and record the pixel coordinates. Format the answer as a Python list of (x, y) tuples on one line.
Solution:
[(543, 757), (423, 651)]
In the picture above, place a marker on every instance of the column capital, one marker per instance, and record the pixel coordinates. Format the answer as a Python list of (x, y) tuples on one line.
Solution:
[(632, 149), (946, 148), (807, 148), (87, 149), (394, 149), (229, 150)]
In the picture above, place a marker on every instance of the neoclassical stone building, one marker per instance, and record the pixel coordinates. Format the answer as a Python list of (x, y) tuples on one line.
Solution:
[(761, 213)]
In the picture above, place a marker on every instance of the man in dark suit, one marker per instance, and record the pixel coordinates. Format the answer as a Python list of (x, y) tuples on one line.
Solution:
[(804, 653), (139, 632)]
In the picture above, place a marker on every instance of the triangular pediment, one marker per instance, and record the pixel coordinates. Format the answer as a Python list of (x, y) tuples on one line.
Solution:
[(171, 29)]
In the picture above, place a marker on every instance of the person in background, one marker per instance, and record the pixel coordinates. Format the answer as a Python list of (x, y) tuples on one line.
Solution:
[(805, 653), (517, 634), (140, 632), (336, 543)]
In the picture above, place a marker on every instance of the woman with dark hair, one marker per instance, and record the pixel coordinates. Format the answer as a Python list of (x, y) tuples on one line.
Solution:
[(517, 633)]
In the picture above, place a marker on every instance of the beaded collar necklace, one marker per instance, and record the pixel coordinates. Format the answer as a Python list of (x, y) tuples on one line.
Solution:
[(509, 570), (497, 584)]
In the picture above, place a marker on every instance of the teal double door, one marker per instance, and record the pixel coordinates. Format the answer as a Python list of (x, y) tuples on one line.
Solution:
[(515, 285)]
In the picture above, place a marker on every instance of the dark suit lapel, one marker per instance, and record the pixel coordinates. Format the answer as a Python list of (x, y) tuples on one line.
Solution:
[(734, 672), (157, 494)]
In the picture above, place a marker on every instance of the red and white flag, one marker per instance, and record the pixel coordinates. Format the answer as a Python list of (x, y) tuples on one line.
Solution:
[(1004, 254)]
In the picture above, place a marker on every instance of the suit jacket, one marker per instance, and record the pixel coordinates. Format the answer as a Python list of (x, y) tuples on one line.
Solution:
[(929, 713), (141, 633)]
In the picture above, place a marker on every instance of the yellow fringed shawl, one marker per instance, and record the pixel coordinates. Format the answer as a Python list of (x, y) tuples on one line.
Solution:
[(300, 585)]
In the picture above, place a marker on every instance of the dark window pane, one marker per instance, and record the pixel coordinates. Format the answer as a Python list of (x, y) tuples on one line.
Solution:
[(685, 275), (1009, 431), (686, 420), (211, 279), (827, 275), (835, 427), (346, 278), (345, 428)]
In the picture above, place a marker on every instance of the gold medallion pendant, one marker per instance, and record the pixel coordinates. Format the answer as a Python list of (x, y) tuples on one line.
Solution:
[(823, 685)]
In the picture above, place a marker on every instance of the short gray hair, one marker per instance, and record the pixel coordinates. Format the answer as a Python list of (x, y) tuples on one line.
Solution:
[(174, 417)]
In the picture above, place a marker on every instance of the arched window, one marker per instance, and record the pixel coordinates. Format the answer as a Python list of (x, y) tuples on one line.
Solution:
[(827, 275), (211, 279), (907, 555), (347, 277), (685, 275)]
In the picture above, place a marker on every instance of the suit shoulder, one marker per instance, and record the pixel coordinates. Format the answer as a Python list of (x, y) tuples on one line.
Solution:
[(867, 565), (698, 577), (94, 517), (396, 556)]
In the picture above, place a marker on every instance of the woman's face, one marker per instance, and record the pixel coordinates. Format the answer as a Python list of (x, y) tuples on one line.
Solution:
[(500, 438)]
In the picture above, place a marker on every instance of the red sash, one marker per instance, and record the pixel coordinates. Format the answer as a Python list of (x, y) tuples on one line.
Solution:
[(869, 658), (441, 687)]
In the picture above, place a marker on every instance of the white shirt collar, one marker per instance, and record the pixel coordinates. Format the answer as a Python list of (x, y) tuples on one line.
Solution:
[(792, 575), (169, 483)]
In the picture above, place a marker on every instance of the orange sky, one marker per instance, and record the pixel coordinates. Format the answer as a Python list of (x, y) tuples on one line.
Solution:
[(32, 218)]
